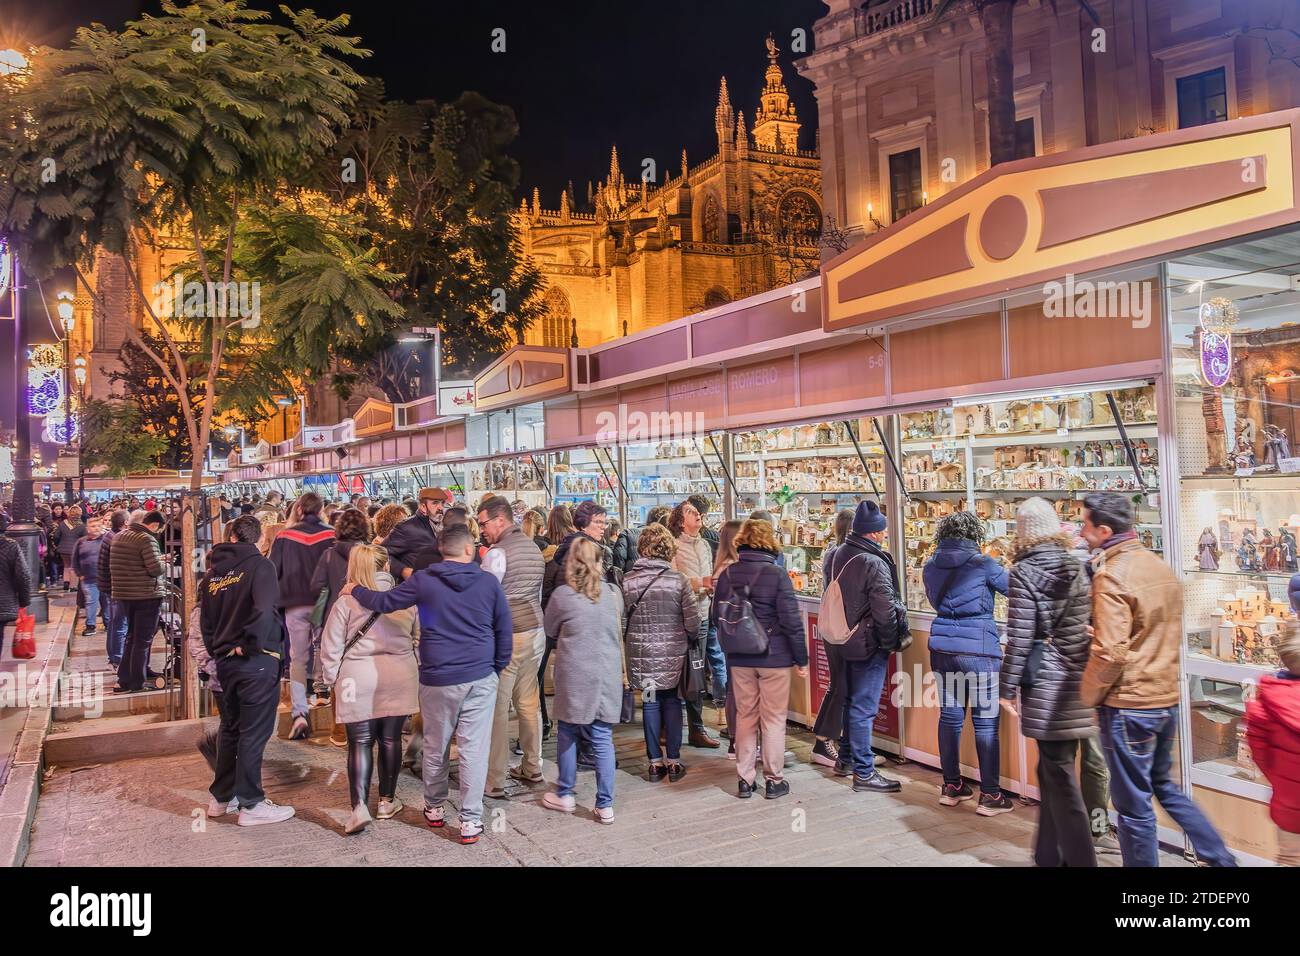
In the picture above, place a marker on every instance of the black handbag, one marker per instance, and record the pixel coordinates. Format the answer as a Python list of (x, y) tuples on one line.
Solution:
[(693, 677)]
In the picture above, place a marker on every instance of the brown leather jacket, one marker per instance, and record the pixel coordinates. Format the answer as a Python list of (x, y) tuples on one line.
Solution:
[(1137, 618)]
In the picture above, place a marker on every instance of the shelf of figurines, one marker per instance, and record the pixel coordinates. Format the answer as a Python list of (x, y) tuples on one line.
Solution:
[(1017, 420), (1246, 628), (803, 440), (670, 450), (1102, 433), (870, 449), (1036, 468)]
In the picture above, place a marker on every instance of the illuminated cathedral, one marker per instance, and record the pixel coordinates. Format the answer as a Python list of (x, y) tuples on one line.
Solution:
[(633, 254)]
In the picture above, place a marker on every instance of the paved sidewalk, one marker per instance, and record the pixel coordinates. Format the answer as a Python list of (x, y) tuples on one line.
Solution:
[(150, 812)]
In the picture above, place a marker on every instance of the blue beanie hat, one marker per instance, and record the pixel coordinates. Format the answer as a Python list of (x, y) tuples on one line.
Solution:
[(868, 519)]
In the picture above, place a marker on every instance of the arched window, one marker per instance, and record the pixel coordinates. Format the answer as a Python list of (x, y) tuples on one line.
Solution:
[(799, 219), (557, 324), (715, 297)]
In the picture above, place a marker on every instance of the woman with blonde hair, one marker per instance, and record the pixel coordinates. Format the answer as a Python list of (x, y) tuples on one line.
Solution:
[(370, 657), (662, 617), (534, 528), (585, 619), (760, 679)]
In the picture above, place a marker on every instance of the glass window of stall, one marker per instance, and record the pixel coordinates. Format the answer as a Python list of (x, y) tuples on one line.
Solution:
[(1236, 382), (804, 475), (585, 474), (662, 473), (989, 454)]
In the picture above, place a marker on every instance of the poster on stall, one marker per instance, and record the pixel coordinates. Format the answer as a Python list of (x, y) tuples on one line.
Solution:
[(819, 680)]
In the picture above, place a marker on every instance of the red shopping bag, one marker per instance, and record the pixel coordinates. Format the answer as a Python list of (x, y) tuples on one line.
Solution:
[(25, 635)]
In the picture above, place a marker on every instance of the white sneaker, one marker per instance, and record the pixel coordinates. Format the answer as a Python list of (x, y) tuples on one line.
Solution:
[(265, 812), (605, 814), (434, 816), (218, 809), (470, 832), (553, 801), (389, 808), (359, 820)]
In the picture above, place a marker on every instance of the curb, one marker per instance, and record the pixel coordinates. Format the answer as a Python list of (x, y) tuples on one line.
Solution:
[(22, 786)]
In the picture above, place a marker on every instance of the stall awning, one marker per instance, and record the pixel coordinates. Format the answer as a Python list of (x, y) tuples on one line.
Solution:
[(1035, 220)]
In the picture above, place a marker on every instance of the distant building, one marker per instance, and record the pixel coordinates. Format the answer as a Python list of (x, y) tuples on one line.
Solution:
[(902, 98), (629, 255)]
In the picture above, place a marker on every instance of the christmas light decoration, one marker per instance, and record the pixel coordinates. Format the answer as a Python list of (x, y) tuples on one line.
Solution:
[(47, 357), (45, 395)]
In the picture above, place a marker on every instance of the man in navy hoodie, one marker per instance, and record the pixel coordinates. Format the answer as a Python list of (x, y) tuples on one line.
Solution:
[(466, 639)]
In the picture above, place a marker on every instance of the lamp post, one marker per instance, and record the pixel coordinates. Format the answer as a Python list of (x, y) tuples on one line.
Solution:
[(69, 323), (24, 530), (79, 371)]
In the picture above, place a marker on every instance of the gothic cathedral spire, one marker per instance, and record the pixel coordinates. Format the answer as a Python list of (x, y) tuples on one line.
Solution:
[(724, 118)]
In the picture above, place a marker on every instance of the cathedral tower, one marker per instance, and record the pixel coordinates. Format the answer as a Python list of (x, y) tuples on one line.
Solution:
[(776, 127)]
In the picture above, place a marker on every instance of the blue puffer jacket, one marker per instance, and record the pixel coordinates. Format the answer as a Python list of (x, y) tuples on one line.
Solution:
[(964, 622)]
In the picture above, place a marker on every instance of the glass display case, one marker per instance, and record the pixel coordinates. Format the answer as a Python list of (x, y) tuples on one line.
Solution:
[(1217, 728), (522, 478), (663, 473), (988, 455), (584, 475), (1236, 381), (804, 475)]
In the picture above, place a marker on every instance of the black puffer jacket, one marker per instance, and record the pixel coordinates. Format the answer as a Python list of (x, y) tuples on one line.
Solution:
[(136, 566), (869, 583), (1049, 597), (15, 581), (771, 597)]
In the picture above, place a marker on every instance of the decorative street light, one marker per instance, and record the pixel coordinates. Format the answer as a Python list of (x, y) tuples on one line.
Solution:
[(69, 323), (80, 373)]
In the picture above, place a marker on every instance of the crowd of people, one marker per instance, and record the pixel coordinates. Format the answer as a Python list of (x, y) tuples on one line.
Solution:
[(439, 620)]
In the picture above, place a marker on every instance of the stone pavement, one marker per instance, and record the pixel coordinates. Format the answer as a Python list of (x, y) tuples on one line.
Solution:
[(150, 812)]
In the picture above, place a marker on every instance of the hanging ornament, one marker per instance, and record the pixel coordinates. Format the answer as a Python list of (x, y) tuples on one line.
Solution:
[(1217, 318), (47, 357), (62, 430), (44, 396)]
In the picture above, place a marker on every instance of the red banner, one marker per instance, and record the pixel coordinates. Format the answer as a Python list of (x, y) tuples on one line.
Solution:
[(819, 680)]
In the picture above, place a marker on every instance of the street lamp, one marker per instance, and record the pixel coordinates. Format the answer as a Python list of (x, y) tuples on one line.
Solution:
[(79, 372), (68, 322)]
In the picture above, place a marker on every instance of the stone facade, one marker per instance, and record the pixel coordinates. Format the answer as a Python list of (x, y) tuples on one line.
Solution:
[(635, 255), (890, 79)]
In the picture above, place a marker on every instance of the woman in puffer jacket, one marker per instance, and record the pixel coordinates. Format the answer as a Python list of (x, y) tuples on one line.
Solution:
[(1050, 602), (965, 656), (662, 616)]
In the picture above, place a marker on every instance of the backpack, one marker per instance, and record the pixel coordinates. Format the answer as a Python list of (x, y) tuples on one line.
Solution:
[(832, 624), (739, 632)]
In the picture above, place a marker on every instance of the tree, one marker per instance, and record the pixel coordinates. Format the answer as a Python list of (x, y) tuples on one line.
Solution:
[(996, 18), (114, 438), (433, 185), (186, 124)]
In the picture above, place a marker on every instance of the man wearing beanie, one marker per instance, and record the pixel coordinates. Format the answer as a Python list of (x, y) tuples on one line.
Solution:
[(1273, 731), (1132, 678), (868, 582)]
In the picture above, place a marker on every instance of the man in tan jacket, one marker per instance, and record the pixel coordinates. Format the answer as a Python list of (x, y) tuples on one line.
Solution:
[(1132, 678)]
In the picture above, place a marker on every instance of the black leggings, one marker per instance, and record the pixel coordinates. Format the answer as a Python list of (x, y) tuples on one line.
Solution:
[(541, 680), (362, 737)]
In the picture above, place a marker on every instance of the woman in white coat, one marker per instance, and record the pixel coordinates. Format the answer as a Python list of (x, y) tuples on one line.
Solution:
[(370, 664)]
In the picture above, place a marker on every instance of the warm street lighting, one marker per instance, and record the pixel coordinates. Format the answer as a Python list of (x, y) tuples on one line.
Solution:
[(80, 371), (65, 312)]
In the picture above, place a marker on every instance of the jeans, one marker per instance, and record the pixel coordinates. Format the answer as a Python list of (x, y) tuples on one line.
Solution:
[(250, 695), (463, 711), (863, 683), (297, 621), (1139, 750), (362, 737), (830, 717), (717, 664), (90, 591), (965, 681), (601, 736), (1063, 837), (662, 709), (142, 624), (116, 642), (518, 684)]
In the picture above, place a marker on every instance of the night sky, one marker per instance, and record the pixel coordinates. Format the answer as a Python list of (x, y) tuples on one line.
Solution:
[(579, 75)]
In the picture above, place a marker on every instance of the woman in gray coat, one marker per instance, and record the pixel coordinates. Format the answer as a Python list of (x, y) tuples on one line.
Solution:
[(1049, 604), (662, 616), (584, 617)]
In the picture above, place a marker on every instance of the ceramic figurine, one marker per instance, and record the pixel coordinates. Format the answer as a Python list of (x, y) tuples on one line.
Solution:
[(1244, 456), (1287, 545), (1276, 446), (1272, 554), (1247, 555), (1145, 410), (1207, 548)]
